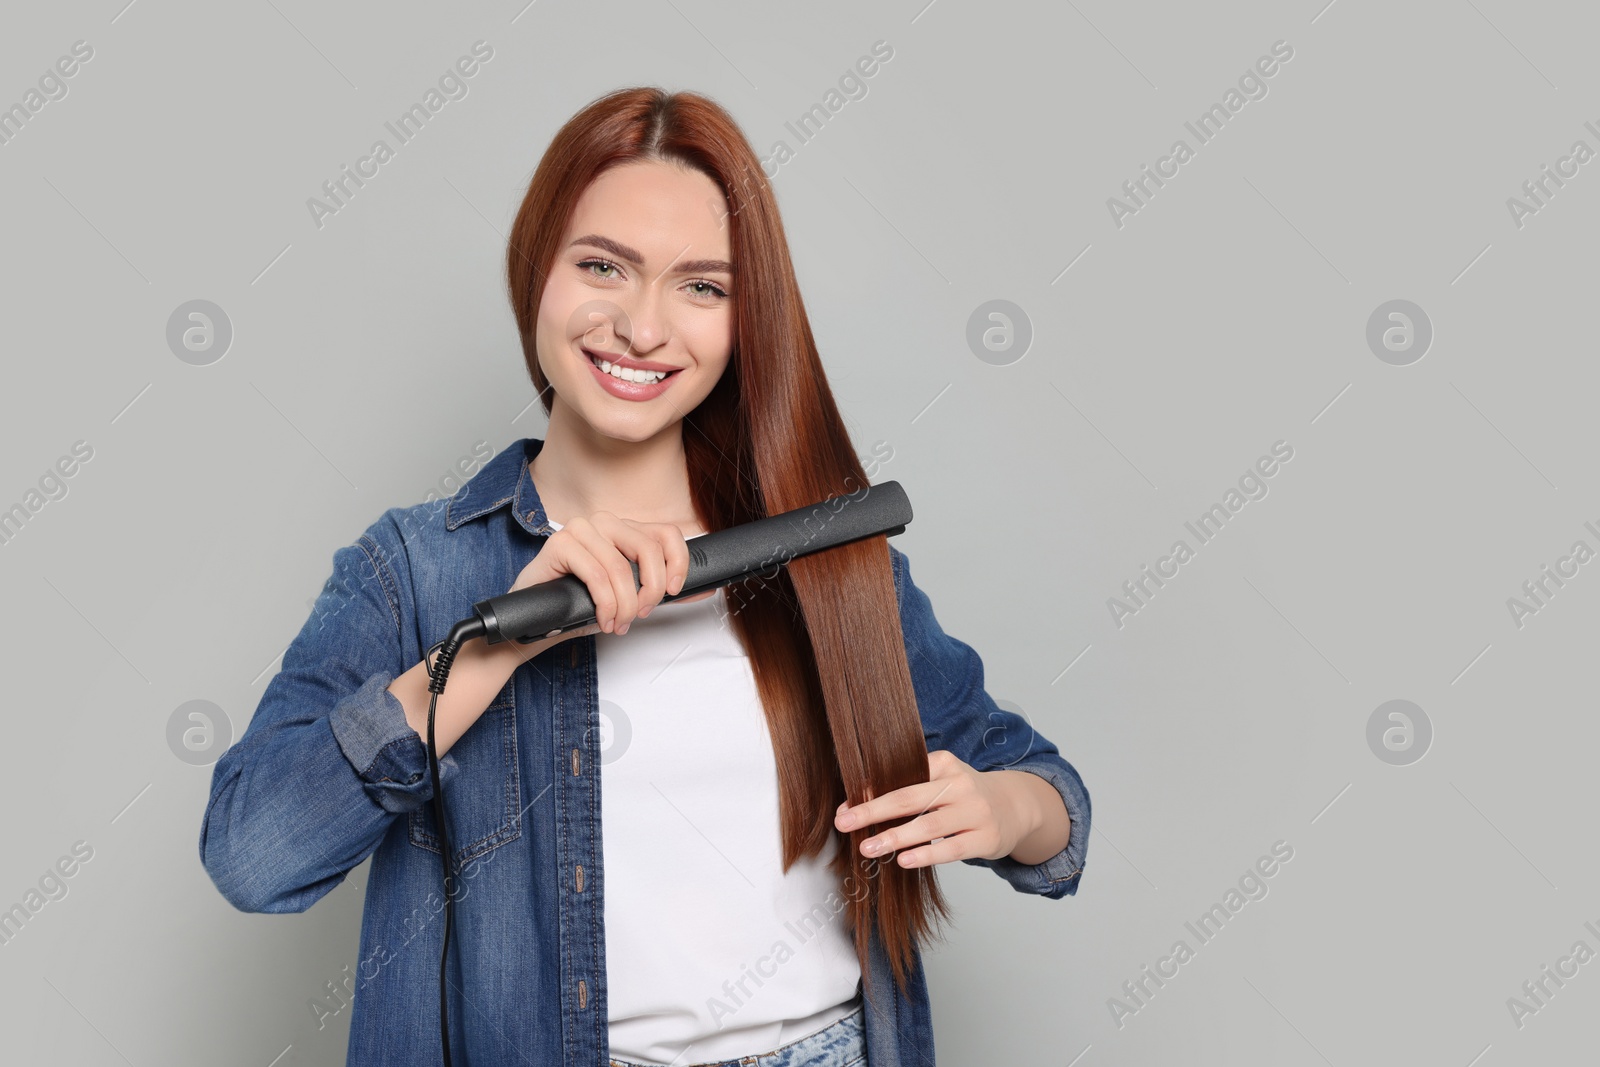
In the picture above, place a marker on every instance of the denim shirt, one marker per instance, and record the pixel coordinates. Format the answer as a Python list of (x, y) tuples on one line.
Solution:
[(329, 772)]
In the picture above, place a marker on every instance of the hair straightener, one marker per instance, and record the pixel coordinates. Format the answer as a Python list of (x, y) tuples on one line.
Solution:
[(726, 557)]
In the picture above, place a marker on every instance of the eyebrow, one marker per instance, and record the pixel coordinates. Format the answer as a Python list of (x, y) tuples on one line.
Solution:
[(622, 251)]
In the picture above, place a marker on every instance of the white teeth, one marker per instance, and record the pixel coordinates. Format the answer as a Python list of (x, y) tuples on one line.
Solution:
[(631, 375)]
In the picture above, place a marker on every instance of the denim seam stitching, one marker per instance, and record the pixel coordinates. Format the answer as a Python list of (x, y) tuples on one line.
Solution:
[(385, 578), (452, 523)]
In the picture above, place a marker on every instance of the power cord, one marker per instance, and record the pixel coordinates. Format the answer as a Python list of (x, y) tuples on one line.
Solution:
[(438, 672)]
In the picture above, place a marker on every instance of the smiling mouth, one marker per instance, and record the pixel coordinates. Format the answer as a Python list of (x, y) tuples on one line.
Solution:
[(636, 375)]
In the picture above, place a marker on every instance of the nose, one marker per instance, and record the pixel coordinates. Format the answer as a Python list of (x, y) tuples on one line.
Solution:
[(648, 324)]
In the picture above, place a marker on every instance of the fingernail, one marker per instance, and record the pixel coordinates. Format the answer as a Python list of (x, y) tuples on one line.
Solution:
[(646, 611), (623, 628), (847, 821)]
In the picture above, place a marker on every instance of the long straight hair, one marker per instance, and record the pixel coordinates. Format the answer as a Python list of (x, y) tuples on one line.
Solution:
[(823, 634)]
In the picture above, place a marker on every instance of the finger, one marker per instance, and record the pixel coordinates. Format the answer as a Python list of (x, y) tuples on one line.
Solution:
[(907, 800), (941, 850), (675, 550), (919, 831), (600, 542), (570, 556), (851, 823), (601, 577), (663, 557), (638, 542), (653, 570)]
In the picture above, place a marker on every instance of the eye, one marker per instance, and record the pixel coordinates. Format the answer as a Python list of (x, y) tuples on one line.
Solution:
[(721, 293), (596, 262)]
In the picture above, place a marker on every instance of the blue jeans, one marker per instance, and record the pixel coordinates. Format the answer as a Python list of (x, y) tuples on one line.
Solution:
[(844, 1044)]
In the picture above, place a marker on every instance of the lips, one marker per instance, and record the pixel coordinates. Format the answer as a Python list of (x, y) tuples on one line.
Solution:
[(630, 390)]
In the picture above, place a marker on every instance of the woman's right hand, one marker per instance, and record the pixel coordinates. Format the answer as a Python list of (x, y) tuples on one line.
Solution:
[(596, 550)]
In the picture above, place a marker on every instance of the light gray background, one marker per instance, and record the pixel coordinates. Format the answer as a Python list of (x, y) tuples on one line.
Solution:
[(1229, 313)]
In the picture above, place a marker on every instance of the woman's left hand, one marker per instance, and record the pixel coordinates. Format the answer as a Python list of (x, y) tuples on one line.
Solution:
[(961, 813)]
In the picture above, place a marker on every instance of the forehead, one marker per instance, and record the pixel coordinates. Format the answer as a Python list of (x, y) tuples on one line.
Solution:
[(656, 207)]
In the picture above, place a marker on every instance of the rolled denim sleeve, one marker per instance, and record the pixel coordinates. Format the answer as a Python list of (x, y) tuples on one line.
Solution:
[(960, 716), (388, 755), (1057, 876), (328, 760)]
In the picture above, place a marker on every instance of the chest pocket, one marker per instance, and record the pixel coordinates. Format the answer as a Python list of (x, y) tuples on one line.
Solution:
[(483, 801)]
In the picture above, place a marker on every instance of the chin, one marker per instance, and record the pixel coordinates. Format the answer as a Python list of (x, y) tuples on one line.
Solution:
[(633, 431)]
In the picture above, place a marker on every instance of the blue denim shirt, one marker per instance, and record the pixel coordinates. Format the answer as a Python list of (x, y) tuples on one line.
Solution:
[(329, 772)]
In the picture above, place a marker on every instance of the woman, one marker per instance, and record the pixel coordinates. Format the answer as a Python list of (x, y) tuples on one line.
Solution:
[(765, 738)]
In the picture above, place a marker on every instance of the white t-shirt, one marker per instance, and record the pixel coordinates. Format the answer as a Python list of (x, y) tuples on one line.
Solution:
[(712, 952)]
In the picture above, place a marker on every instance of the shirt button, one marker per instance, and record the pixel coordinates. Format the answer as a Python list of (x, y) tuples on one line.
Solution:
[(578, 877), (583, 994)]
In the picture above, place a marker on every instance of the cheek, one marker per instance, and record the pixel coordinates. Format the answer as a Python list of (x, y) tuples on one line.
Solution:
[(711, 370), (555, 308), (552, 339), (712, 343), (567, 304)]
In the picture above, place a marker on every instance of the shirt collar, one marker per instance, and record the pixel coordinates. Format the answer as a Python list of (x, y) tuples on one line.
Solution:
[(505, 479)]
